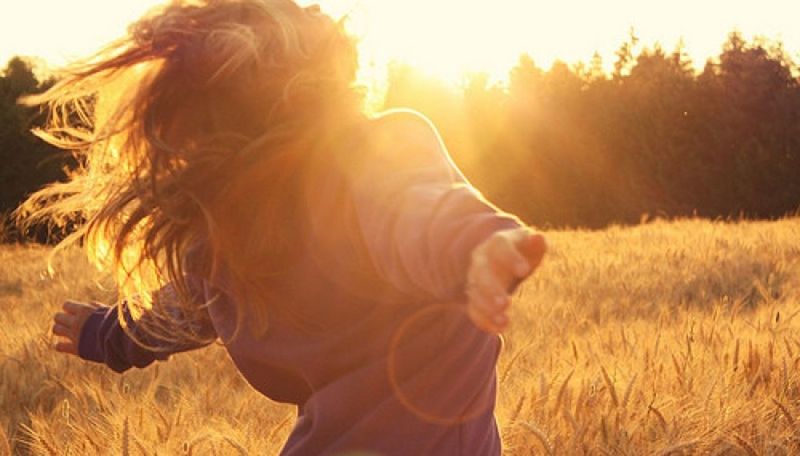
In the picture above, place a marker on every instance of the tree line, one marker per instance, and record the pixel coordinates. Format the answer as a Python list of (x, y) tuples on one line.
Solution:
[(575, 145), (572, 145)]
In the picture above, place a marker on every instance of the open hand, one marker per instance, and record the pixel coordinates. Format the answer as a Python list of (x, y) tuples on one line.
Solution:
[(497, 266), (69, 323)]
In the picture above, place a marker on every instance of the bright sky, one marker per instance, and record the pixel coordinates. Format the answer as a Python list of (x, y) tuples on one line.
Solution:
[(443, 37)]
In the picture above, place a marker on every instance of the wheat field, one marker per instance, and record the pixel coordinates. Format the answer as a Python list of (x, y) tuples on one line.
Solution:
[(666, 338)]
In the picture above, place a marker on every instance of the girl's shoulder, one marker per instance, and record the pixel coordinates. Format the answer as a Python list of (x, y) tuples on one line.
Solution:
[(402, 122), (378, 147), (405, 116), (401, 138)]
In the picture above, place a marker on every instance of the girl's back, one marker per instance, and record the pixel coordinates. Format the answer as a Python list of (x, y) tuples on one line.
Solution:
[(345, 262), (379, 353)]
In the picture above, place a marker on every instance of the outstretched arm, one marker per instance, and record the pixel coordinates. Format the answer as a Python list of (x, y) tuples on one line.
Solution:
[(429, 232), (94, 332)]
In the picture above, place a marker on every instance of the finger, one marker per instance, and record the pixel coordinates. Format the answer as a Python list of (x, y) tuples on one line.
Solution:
[(74, 307), (505, 256), (65, 319), (64, 331), (485, 323), (487, 299), (483, 277), (66, 347), (490, 325), (488, 306), (488, 303), (533, 247)]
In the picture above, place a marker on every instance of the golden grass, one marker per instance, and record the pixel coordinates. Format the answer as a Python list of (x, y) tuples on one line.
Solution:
[(667, 338)]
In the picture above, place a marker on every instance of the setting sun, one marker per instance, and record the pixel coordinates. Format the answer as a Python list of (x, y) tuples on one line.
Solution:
[(444, 38)]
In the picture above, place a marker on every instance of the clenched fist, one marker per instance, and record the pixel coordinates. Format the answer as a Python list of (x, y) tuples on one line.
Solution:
[(497, 266)]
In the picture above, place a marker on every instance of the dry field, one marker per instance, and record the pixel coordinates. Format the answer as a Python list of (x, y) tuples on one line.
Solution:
[(667, 338)]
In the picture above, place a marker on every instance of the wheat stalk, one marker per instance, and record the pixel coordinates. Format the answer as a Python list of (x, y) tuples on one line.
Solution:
[(5, 445), (125, 438), (612, 391), (660, 417), (627, 396), (745, 445), (507, 370), (236, 445), (785, 411), (561, 391), (679, 447), (188, 447), (278, 427), (541, 436), (517, 409)]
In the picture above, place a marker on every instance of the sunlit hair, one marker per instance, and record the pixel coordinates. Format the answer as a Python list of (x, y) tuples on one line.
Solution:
[(193, 130)]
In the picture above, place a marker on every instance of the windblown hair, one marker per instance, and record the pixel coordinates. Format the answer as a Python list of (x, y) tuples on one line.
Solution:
[(194, 129)]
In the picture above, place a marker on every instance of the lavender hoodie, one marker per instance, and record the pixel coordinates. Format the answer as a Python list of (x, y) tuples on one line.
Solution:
[(383, 359)]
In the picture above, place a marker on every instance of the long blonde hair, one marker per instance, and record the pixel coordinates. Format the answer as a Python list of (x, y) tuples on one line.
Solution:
[(193, 130)]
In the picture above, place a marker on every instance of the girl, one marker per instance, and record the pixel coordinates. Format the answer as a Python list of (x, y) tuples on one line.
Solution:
[(344, 261)]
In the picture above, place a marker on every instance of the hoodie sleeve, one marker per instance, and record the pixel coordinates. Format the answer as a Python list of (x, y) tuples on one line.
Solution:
[(419, 217), (104, 340)]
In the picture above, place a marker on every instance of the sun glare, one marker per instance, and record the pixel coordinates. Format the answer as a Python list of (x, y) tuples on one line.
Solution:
[(443, 38), (448, 38)]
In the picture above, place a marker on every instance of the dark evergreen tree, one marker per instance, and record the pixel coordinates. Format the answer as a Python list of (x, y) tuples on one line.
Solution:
[(27, 162)]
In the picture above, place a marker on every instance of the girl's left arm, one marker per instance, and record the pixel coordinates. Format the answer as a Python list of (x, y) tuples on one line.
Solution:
[(420, 218), (428, 232)]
